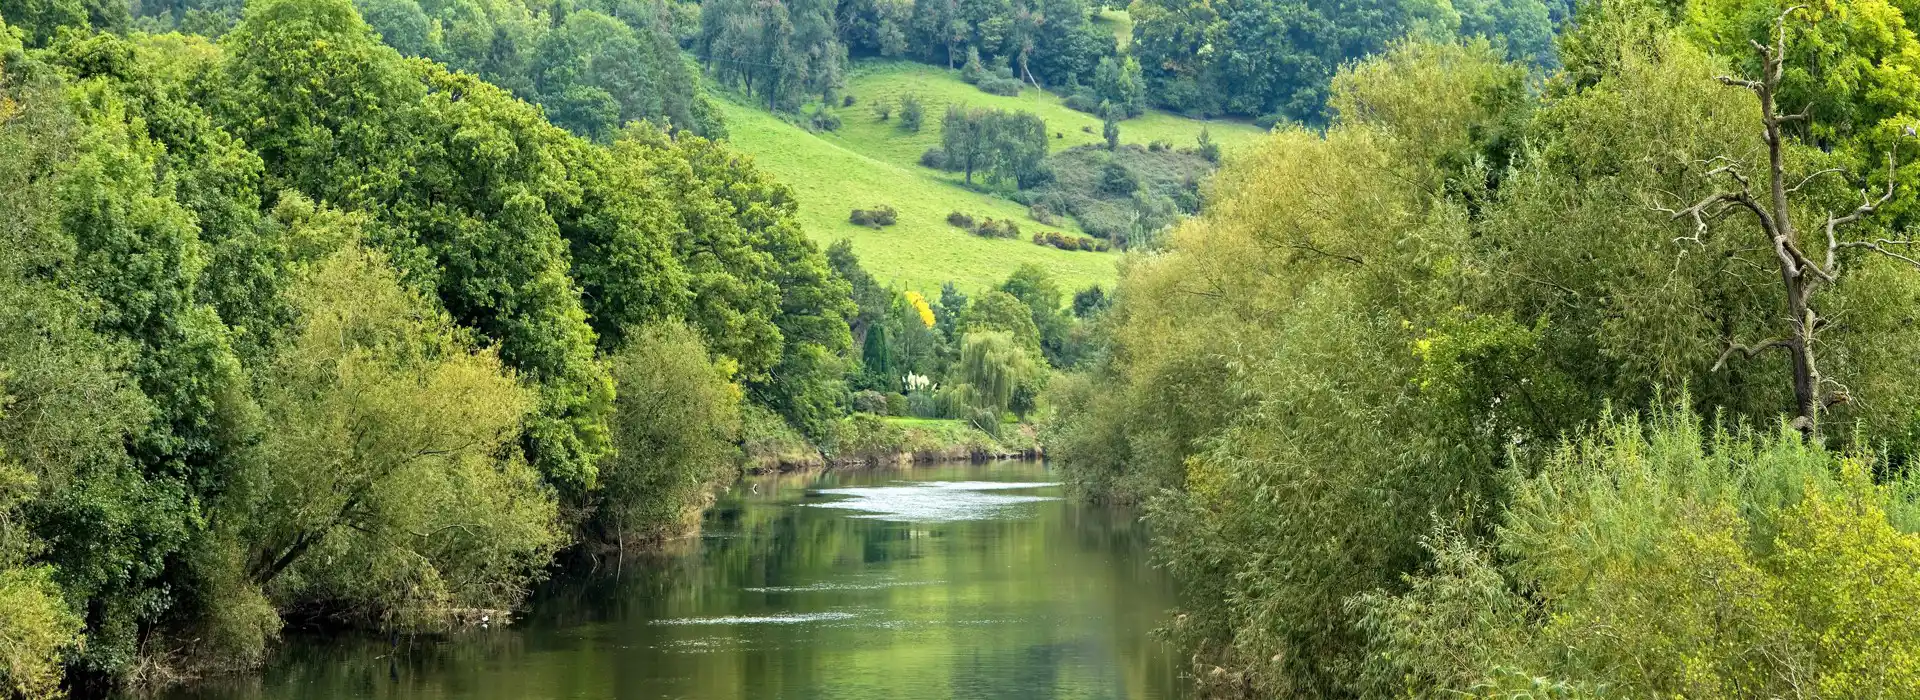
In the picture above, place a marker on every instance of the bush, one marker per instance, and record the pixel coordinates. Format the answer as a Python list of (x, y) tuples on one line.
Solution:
[(1084, 101), (1065, 242), (934, 158), (912, 113), (883, 110), (1158, 146), (995, 85), (960, 219), (872, 402), (1669, 560), (875, 218), (1043, 214), (1117, 180), (897, 404), (997, 228), (847, 101), (823, 119), (926, 404)]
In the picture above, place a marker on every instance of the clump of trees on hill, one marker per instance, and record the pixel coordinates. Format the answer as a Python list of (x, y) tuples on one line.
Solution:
[(294, 326), (1421, 411), (980, 358)]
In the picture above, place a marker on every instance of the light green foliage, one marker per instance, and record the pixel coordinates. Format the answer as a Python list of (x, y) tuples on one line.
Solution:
[(922, 251), (1369, 332), (1668, 560), (675, 425), (991, 369), (383, 488), (999, 311), (37, 628)]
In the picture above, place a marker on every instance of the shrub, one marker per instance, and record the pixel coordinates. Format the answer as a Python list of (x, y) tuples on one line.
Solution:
[(847, 101), (882, 215), (995, 85), (1117, 180), (997, 228), (1084, 101), (1065, 242), (1208, 149), (960, 219), (823, 119), (883, 110), (872, 402), (897, 404), (926, 404), (1086, 129), (934, 158), (1158, 146), (1043, 214), (912, 113)]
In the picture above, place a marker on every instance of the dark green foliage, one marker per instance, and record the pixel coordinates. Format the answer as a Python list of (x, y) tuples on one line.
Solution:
[(879, 217), (1122, 197), (1009, 147), (912, 113), (1090, 301), (782, 52), (1274, 60)]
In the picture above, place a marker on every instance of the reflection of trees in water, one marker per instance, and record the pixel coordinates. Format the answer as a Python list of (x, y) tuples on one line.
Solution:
[(1054, 605)]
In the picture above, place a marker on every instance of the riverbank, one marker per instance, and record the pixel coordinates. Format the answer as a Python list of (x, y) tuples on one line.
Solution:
[(865, 441)]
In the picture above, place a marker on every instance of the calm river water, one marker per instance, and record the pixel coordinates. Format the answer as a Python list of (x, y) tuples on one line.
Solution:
[(968, 581)]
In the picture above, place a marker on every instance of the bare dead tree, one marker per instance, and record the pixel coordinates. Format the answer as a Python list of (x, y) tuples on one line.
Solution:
[(1801, 275)]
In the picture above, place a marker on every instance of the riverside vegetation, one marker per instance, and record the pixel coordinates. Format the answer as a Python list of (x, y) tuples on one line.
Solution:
[(1597, 385), (296, 328), (1539, 351)]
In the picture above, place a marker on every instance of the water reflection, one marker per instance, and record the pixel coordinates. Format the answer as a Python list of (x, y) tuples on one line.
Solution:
[(955, 582)]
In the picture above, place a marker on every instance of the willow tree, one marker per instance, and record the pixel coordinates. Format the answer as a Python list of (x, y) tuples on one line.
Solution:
[(992, 367), (1802, 274)]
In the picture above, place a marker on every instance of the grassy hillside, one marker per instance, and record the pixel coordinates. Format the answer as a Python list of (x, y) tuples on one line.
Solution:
[(937, 87), (921, 251), (868, 163)]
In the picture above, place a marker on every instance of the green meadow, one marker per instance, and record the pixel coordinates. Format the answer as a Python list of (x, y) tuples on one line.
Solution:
[(869, 163)]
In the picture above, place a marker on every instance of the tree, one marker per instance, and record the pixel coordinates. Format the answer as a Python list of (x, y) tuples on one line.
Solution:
[(991, 369), (1802, 276), (1110, 125), (673, 431), (390, 492)]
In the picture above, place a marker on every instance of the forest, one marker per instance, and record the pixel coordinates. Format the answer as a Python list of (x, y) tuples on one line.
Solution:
[(1539, 351)]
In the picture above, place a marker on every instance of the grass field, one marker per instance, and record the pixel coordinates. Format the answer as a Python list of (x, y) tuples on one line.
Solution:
[(921, 251), (937, 87), (868, 163)]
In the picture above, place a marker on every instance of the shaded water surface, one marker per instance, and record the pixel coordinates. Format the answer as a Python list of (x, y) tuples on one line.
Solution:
[(973, 581)]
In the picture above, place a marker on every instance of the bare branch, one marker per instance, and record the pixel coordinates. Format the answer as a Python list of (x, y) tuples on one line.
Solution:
[(1749, 351), (1809, 178)]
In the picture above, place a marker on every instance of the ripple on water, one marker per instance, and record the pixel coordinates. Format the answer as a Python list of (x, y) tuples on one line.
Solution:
[(791, 619), (934, 501), (829, 586)]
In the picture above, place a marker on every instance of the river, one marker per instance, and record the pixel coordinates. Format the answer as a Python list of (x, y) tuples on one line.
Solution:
[(961, 581)]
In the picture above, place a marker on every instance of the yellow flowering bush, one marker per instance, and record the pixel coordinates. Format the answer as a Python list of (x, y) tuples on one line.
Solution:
[(919, 304)]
